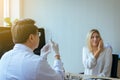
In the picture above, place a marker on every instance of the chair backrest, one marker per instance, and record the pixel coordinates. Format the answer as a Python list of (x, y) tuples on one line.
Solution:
[(114, 65), (6, 42)]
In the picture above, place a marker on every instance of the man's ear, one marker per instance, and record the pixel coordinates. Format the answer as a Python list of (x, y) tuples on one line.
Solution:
[(31, 37)]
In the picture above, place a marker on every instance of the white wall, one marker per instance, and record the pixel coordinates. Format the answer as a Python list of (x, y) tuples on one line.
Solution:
[(68, 22)]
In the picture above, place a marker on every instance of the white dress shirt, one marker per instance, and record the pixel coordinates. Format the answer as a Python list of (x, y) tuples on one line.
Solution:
[(21, 63), (98, 67)]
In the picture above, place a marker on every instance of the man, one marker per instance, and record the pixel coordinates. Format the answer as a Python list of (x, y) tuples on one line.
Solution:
[(21, 63)]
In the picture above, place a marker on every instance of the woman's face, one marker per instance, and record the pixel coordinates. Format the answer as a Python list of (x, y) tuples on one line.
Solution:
[(95, 38)]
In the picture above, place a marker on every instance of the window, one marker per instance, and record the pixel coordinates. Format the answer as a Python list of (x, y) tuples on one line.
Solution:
[(1, 11), (6, 8), (9, 8)]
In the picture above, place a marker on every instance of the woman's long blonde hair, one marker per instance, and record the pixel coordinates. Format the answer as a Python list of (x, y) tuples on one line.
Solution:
[(89, 35)]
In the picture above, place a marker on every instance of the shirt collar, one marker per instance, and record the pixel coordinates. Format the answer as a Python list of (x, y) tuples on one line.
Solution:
[(22, 47)]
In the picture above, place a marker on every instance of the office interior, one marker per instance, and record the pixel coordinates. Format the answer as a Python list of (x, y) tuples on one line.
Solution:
[(67, 22)]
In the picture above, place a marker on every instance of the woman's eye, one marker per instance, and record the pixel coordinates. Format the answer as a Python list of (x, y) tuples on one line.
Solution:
[(97, 36), (94, 37)]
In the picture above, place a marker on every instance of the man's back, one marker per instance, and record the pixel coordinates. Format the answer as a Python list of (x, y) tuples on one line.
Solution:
[(21, 64), (16, 61)]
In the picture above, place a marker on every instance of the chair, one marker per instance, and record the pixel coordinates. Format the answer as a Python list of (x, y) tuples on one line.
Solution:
[(114, 65)]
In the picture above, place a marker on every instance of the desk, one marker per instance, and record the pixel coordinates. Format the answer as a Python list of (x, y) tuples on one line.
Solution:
[(73, 76)]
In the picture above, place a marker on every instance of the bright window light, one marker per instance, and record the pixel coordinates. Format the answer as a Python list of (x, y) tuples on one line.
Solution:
[(6, 8)]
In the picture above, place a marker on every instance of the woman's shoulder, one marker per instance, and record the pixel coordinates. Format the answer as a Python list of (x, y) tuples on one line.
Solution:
[(108, 47), (107, 50)]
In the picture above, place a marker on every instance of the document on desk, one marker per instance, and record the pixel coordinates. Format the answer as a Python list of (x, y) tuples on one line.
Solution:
[(73, 76), (97, 79)]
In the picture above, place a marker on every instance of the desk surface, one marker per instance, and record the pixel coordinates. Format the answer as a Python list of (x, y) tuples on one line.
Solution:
[(72, 76)]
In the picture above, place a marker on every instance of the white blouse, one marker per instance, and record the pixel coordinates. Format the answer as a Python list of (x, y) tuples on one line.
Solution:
[(98, 67)]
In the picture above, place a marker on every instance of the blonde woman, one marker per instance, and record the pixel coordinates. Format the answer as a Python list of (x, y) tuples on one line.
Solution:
[(97, 59)]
